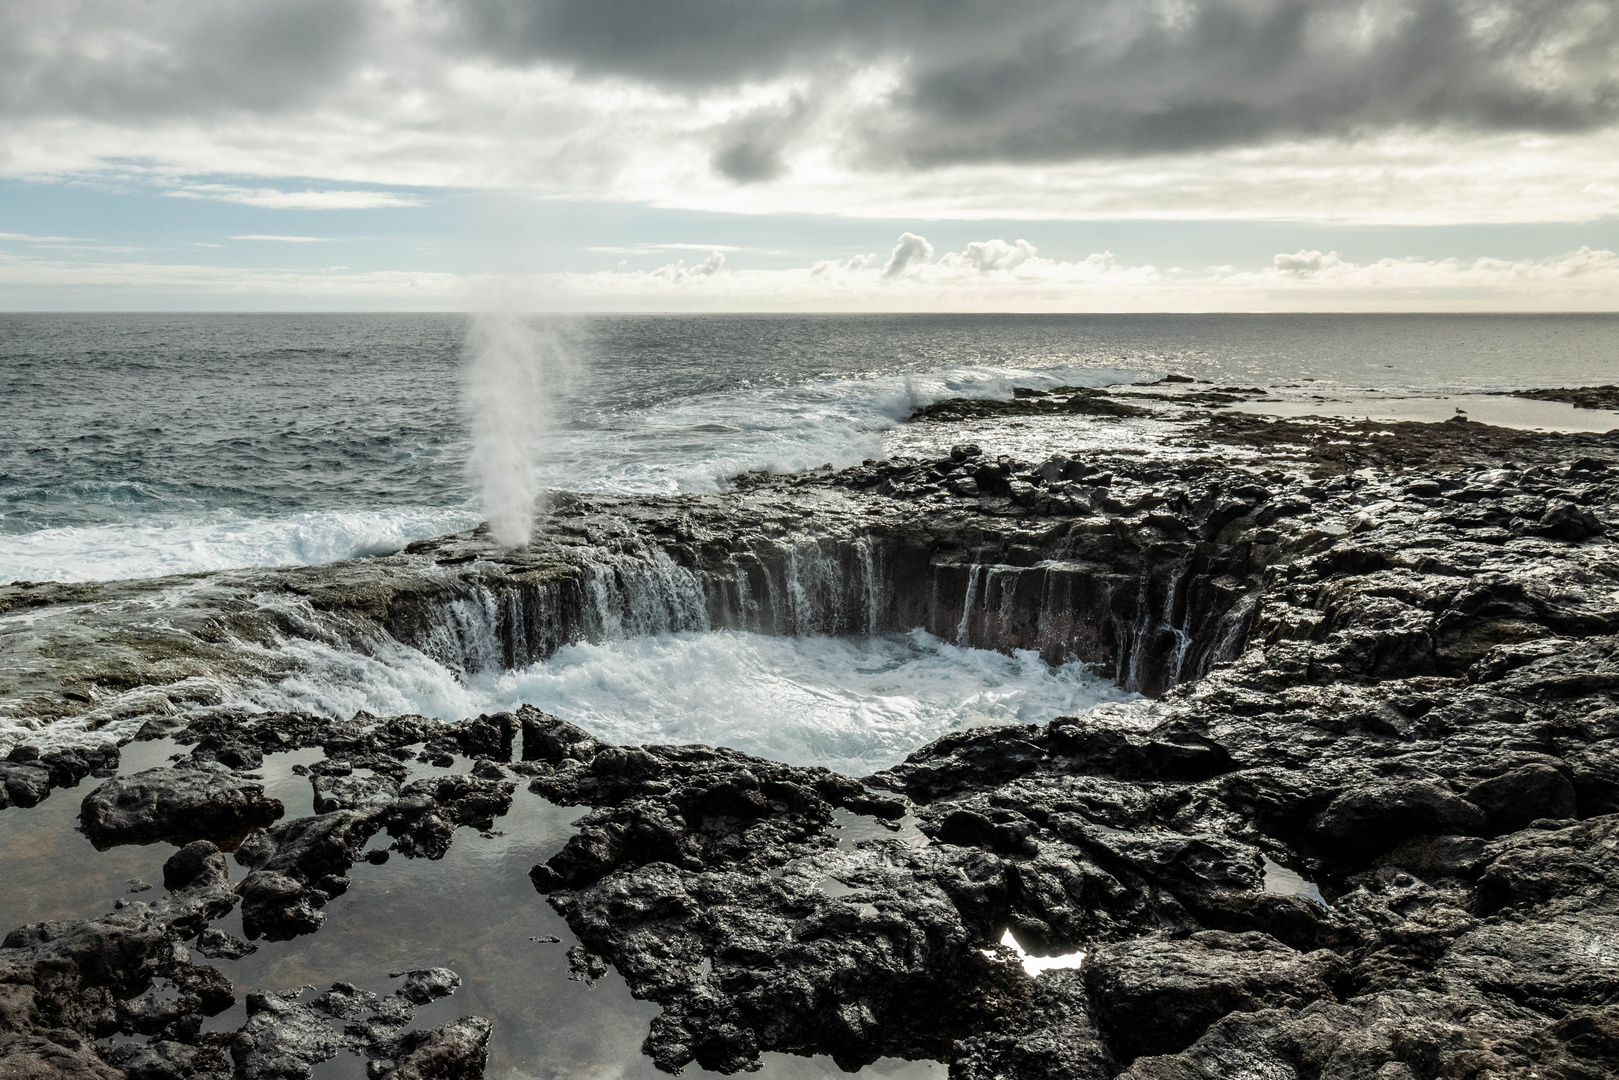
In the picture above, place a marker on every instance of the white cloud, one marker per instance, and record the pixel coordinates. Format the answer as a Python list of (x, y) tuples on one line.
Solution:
[(987, 256), (678, 272), (1582, 280), (1304, 263), (912, 250), (283, 239), (275, 199)]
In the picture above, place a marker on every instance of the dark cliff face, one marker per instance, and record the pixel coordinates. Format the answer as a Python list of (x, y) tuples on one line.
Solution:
[(1148, 572), (1365, 824)]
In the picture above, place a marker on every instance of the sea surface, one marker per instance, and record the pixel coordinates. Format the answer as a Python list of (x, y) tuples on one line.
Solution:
[(145, 445), (133, 445)]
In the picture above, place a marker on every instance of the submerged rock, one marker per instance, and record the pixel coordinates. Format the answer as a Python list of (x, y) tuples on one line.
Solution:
[(426, 984)]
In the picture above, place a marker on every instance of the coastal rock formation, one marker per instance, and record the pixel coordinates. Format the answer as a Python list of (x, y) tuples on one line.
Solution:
[(179, 805), (65, 984), (1364, 820)]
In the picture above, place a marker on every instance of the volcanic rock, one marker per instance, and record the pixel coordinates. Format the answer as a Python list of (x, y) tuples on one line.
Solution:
[(179, 805)]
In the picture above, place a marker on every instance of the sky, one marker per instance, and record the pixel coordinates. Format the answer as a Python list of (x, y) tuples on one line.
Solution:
[(670, 155)]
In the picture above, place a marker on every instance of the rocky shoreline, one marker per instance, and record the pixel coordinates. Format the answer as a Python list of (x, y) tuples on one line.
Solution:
[(1377, 658)]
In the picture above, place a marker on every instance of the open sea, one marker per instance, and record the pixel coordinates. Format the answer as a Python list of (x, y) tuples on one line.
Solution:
[(137, 445)]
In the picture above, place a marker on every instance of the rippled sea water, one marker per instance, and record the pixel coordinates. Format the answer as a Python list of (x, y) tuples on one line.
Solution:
[(145, 444)]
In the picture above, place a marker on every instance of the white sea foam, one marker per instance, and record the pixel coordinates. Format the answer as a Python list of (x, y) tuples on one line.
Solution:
[(694, 444), (854, 705), (220, 541), (698, 443)]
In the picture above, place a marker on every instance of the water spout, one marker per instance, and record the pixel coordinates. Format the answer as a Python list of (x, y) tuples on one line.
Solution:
[(515, 370)]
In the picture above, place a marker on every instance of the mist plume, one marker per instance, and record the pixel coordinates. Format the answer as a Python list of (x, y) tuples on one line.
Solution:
[(514, 371)]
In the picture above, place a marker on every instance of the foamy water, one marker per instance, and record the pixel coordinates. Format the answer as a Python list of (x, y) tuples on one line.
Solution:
[(698, 444), (693, 444), (221, 541), (854, 705)]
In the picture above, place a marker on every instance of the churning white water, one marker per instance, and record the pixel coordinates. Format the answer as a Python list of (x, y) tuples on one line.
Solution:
[(851, 704)]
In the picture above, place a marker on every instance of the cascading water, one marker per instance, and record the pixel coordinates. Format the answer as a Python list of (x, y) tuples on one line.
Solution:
[(631, 597), (964, 629)]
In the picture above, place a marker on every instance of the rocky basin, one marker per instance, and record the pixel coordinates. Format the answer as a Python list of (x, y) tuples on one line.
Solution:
[(1363, 821)]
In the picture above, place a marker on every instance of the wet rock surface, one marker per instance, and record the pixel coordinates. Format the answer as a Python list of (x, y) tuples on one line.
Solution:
[(1581, 397), (134, 972), (175, 804), (1420, 723), (1383, 664)]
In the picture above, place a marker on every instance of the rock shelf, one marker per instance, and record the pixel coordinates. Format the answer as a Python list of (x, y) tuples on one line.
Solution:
[(1384, 665)]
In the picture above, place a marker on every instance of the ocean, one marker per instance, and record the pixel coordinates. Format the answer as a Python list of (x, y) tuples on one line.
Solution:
[(144, 445), (135, 445)]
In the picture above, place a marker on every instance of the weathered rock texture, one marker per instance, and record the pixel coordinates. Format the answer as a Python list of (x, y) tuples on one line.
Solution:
[(65, 984), (1422, 723), (1386, 662)]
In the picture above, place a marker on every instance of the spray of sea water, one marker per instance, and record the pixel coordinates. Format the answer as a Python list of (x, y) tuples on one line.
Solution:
[(516, 368)]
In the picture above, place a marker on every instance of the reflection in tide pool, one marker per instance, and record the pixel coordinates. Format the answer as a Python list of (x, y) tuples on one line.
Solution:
[(475, 911), (1034, 966), (1279, 879)]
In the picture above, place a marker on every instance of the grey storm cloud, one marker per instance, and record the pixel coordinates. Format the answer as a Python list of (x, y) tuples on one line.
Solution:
[(119, 61), (751, 146), (1028, 80), (1017, 80)]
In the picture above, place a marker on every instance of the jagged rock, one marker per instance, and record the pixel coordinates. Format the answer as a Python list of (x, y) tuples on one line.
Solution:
[(546, 738), (233, 755), (216, 944), (1160, 995), (426, 984), (1514, 799), (23, 784), (1062, 1045), (58, 1055), (453, 1051), (168, 1059), (487, 736), (351, 792), (68, 765), (197, 865), (1377, 817), (286, 1039), (428, 811), (282, 1039), (311, 847), (1582, 1046), (278, 907), (180, 805)]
